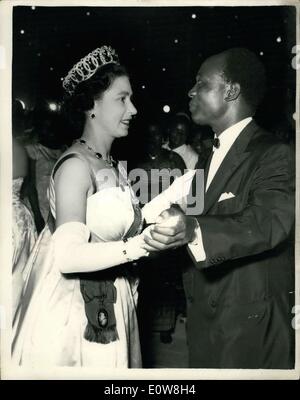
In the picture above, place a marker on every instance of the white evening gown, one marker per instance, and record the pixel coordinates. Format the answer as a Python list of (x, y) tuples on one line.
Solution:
[(50, 331)]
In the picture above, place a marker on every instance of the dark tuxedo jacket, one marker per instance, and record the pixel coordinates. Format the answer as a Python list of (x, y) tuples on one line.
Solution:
[(240, 299)]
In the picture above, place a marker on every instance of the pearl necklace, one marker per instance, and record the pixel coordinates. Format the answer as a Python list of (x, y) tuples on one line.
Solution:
[(110, 161)]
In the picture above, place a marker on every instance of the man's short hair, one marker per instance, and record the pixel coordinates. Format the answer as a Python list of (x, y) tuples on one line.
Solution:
[(244, 67)]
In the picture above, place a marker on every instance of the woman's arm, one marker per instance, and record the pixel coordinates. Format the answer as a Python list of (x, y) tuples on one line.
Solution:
[(72, 250), (72, 182)]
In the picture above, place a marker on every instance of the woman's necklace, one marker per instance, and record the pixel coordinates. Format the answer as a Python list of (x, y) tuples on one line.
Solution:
[(110, 161), (120, 170)]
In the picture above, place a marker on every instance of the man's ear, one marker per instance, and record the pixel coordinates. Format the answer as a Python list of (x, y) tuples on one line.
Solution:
[(233, 91)]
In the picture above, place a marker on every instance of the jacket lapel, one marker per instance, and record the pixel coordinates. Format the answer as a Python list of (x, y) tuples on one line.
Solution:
[(206, 169), (236, 155)]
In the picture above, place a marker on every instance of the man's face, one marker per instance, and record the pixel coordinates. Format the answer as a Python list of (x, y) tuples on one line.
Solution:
[(208, 103), (177, 135)]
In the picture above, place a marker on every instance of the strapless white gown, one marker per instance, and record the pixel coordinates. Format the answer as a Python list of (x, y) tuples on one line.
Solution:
[(52, 319)]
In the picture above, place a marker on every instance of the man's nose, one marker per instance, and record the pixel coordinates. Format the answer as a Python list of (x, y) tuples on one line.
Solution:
[(192, 92)]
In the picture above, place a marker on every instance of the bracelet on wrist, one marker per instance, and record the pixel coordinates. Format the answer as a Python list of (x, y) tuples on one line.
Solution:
[(125, 251)]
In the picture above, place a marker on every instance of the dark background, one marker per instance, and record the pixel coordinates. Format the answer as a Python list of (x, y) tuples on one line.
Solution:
[(147, 40)]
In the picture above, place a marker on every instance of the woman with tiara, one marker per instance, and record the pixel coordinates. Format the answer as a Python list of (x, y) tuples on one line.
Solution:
[(79, 302)]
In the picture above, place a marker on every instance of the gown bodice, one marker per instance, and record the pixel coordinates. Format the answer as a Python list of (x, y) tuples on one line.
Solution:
[(111, 210)]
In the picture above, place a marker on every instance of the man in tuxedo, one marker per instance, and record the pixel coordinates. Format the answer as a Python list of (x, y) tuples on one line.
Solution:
[(240, 287)]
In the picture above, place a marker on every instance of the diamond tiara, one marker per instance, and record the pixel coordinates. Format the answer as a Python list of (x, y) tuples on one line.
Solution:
[(88, 66)]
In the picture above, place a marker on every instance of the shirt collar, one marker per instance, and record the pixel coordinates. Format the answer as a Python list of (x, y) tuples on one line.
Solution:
[(230, 134)]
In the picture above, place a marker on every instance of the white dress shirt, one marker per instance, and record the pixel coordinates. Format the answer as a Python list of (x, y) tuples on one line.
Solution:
[(227, 138)]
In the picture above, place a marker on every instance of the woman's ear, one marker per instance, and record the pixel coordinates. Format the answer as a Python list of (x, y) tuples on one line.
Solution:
[(232, 91), (90, 113)]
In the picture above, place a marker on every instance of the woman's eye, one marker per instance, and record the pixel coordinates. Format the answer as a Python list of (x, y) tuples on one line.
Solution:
[(123, 99)]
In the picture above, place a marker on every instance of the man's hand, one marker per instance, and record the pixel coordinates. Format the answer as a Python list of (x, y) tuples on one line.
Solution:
[(172, 229)]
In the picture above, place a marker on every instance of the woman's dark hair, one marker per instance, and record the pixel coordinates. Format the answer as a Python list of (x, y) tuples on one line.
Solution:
[(75, 106)]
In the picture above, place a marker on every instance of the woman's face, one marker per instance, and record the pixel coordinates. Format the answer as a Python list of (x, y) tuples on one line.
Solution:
[(114, 109)]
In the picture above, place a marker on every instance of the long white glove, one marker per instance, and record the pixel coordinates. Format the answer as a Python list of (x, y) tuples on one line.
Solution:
[(73, 253), (174, 194)]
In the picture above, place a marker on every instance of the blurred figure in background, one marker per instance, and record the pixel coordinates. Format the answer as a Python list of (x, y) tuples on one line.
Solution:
[(202, 143), (161, 296), (285, 128), (157, 158), (23, 227), (179, 131), (44, 153)]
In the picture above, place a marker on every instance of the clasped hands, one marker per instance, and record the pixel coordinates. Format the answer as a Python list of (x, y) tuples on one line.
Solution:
[(172, 229)]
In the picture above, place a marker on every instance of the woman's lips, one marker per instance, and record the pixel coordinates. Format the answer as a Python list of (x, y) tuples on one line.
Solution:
[(126, 122)]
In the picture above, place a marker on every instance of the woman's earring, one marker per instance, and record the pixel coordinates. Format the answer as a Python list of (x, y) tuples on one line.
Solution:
[(92, 115)]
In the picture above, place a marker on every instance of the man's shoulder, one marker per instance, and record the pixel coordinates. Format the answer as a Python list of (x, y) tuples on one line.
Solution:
[(264, 140), (267, 149)]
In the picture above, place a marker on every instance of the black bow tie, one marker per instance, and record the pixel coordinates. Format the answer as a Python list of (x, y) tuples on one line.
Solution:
[(216, 143)]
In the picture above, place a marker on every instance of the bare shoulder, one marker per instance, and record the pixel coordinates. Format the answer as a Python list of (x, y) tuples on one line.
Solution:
[(73, 170)]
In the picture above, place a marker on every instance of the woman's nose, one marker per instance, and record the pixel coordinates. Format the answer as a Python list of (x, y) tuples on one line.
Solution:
[(132, 109)]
